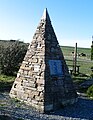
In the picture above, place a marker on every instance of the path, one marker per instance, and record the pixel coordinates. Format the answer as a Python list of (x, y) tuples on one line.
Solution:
[(82, 110)]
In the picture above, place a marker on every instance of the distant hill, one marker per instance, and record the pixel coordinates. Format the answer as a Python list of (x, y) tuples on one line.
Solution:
[(67, 50)]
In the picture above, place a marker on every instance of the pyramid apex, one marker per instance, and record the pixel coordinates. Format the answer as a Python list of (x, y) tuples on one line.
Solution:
[(45, 15)]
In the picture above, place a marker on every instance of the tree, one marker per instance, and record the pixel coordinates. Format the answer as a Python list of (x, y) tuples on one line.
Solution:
[(11, 57)]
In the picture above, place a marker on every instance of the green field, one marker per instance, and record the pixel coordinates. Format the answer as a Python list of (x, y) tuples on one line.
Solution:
[(84, 62), (67, 50)]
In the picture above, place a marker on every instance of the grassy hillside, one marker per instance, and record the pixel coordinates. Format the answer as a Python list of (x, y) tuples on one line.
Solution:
[(84, 62), (67, 50)]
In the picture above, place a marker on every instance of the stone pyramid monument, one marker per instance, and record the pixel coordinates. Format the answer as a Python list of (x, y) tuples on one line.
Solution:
[(43, 80)]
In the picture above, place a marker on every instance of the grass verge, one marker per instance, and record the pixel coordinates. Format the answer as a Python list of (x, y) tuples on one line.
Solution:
[(6, 82)]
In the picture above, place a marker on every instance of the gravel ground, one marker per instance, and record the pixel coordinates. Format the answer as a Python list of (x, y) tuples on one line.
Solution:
[(82, 110)]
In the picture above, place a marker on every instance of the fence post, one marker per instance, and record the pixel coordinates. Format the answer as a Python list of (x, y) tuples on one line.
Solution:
[(75, 59)]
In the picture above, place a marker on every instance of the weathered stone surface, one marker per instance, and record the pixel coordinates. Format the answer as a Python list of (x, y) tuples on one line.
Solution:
[(43, 80), (40, 81), (40, 88)]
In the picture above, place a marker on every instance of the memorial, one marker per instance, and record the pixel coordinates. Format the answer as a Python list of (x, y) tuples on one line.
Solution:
[(43, 80)]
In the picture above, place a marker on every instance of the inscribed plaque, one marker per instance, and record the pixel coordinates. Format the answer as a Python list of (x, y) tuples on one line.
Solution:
[(56, 67)]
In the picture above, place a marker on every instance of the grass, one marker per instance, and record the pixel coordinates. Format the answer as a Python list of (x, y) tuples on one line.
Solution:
[(2, 104), (90, 92), (5, 78), (84, 62), (78, 79), (85, 66), (6, 82), (67, 50)]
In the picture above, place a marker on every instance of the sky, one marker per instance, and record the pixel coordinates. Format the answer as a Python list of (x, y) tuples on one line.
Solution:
[(72, 20)]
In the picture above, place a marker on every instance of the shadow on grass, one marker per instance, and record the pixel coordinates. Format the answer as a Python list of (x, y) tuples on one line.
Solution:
[(5, 86)]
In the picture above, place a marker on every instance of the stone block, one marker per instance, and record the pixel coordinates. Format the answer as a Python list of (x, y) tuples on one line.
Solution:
[(36, 68), (20, 71), (41, 94), (41, 103), (25, 68), (18, 75), (40, 88), (29, 100), (28, 91), (25, 62), (34, 102), (20, 94), (25, 96), (35, 60), (40, 81), (37, 98), (36, 93)]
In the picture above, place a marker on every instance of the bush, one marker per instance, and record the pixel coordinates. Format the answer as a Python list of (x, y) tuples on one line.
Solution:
[(11, 57), (90, 91)]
